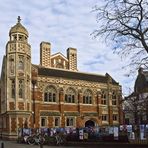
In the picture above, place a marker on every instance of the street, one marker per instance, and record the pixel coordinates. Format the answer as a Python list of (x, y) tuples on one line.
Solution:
[(14, 144)]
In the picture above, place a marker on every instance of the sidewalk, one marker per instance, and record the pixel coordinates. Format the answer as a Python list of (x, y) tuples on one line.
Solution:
[(81, 144), (107, 144)]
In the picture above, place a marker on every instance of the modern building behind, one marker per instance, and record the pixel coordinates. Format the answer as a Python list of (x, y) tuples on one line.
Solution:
[(53, 93)]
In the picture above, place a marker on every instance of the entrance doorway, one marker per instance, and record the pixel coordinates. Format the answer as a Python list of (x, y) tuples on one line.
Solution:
[(89, 123)]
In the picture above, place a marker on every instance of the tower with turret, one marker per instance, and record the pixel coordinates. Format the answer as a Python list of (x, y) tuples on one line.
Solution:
[(16, 103)]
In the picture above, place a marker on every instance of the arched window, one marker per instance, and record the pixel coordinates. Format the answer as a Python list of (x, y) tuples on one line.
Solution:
[(114, 98), (20, 66), (11, 65), (70, 96), (87, 97), (21, 63), (13, 88), (50, 94), (20, 89), (104, 97)]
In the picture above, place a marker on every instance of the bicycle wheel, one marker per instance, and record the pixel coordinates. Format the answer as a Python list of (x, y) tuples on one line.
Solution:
[(41, 140), (31, 140)]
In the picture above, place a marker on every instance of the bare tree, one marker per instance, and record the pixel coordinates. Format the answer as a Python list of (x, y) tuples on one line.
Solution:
[(125, 22), (135, 106)]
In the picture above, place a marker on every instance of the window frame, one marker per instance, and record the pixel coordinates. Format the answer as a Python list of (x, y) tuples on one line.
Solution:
[(45, 121), (87, 97), (70, 121), (114, 98), (50, 94), (104, 97), (115, 117), (104, 117), (59, 122), (70, 96)]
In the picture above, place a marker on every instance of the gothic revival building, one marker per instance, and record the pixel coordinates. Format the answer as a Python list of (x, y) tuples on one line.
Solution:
[(53, 93)]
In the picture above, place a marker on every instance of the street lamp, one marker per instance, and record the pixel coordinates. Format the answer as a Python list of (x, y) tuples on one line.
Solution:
[(34, 80)]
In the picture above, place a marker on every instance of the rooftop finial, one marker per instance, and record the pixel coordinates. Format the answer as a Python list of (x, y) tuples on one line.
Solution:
[(19, 19)]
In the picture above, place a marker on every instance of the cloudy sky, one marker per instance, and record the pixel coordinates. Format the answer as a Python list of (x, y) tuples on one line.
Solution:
[(64, 23)]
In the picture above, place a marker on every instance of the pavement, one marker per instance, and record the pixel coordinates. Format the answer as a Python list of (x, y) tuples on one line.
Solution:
[(14, 144)]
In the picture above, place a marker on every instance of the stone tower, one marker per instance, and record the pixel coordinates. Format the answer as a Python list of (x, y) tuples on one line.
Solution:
[(18, 77), (72, 57), (45, 53)]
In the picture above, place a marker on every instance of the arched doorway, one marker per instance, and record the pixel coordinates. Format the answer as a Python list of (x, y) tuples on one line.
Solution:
[(89, 123)]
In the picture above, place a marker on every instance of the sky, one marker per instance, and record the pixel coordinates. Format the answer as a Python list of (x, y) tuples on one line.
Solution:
[(64, 23)]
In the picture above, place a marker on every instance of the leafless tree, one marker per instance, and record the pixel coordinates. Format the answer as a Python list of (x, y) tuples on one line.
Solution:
[(135, 106), (125, 22)]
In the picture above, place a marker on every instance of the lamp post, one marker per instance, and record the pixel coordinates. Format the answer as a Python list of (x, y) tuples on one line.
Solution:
[(34, 80)]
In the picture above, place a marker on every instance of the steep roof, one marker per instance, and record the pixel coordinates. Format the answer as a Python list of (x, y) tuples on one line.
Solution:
[(141, 83), (42, 71)]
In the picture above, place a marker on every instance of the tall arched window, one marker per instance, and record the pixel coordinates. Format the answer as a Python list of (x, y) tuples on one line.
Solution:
[(13, 88), (70, 95), (104, 97), (20, 88), (50, 94), (87, 97), (11, 65), (21, 63), (114, 98)]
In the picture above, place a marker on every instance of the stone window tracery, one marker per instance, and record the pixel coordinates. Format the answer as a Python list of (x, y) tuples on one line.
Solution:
[(50, 94), (104, 97), (20, 88), (114, 98), (87, 97), (70, 96)]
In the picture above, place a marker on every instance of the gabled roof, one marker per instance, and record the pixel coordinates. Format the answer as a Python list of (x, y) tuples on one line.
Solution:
[(59, 54), (42, 71)]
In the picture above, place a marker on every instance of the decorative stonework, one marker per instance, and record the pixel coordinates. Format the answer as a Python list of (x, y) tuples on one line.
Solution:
[(77, 95), (11, 106), (78, 83), (49, 113)]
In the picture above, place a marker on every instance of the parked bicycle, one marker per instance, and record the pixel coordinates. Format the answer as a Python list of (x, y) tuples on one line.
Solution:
[(35, 139), (60, 139)]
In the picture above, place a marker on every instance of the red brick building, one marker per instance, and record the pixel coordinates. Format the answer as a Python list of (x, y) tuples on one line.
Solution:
[(53, 93)]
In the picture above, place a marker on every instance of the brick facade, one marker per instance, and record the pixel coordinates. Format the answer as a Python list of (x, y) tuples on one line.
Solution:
[(54, 93)]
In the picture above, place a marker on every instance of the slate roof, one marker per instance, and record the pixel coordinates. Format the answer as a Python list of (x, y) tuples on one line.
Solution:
[(141, 83), (42, 71)]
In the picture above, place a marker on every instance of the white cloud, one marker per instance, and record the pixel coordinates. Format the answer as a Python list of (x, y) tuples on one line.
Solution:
[(63, 23)]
